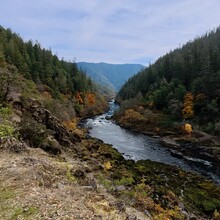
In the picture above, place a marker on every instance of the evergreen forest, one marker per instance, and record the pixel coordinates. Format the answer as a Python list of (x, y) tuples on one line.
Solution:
[(184, 83), (55, 78)]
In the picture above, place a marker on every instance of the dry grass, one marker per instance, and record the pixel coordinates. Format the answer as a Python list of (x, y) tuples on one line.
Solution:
[(34, 185)]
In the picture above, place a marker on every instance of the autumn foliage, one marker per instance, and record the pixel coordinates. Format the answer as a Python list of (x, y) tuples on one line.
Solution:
[(91, 98), (84, 98), (79, 98), (131, 114), (187, 129), (71, 125), (187, 110), (108, 165)]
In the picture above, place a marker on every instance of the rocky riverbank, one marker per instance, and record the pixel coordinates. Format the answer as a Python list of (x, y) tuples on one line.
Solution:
[(198, 144)]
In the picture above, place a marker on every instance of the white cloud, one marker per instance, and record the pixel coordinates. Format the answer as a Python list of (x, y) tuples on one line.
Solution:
[(110, 31)]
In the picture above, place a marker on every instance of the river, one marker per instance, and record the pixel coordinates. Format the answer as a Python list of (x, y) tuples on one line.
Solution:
[(138, 146)]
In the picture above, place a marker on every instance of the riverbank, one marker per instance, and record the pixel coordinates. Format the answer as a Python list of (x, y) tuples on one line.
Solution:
[(146, 183), (160, 191), (198, 144)]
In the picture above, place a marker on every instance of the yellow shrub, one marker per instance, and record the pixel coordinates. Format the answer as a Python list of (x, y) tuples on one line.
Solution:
[(216, 215), (107, 165), (187, 128), (132, 114), (71, 125)]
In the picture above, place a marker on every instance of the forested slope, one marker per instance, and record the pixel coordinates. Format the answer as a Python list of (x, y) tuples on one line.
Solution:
[(53, 77), (191, 72)]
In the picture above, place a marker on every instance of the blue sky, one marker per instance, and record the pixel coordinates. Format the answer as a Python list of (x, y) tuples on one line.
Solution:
[(113, 31)]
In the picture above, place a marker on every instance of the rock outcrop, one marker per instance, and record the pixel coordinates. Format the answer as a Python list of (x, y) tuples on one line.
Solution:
[(60, 137)]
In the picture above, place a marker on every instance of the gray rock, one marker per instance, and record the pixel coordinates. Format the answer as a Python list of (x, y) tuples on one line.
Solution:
[(93, 183), (185, 213), (51, 145), (192, 217), (131, 217), (88, 188), (147, 213), (120, 188)]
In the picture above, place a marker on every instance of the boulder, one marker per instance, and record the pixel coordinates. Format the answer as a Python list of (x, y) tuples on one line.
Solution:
[(51, 145)]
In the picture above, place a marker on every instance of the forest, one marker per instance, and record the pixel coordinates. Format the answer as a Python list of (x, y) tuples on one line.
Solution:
[(184, 83), (58, 79)]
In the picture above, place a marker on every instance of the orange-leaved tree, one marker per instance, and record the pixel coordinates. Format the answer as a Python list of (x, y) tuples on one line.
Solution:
[(91, 98), (187, 110), (79, 98)]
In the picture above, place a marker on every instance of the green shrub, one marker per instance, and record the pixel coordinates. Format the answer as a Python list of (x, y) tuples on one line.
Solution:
[(5, 112), (6, 130), (203, 200), (126, 181), (78, 108)]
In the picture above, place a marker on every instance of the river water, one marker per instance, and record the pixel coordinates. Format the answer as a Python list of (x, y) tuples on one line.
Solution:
[(138, 146)]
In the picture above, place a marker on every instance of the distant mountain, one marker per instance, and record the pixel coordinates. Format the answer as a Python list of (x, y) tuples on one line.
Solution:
[(111, 75)]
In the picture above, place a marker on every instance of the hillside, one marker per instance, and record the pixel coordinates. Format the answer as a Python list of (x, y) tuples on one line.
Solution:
[(110, 75), (183, 84), (64, 85)]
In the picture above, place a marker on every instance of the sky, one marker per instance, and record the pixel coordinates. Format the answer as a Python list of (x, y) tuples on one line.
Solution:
[(112, 31)]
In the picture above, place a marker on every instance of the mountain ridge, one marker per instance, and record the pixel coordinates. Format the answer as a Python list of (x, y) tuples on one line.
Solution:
[(110, 75)]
